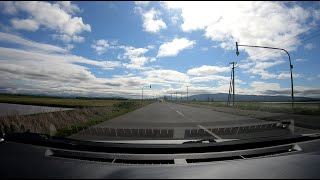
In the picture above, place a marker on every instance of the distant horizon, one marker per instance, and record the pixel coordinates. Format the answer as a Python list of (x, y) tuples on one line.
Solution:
[(183, 97)]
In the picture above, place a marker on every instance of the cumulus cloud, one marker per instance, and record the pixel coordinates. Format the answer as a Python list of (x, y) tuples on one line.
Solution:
[(54, 16), (68, 39), (151, 22), (25, 24), (174, 47), (68, 7), (254, 23), (207, 70), (166, 76), (136, 56), (100, 46), (8, 7)]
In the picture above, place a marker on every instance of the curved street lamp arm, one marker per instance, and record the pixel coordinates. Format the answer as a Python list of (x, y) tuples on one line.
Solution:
[(291, 67)]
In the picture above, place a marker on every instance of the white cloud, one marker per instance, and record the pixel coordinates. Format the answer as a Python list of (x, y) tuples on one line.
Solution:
[(166, 76), (209, 78), (69, 46), (267, 75), (54, 16), (68, 7), (151, 22), (174, 47), (101, 46), (287, 76), (309, 46), (54, 74), (260, 86), (136, 57), (25, 24), (254, 23), (175, 19), (8, 7), (207, 70), (30, 45), (259, 68), (67, 39), (267, 64), (246, 64)]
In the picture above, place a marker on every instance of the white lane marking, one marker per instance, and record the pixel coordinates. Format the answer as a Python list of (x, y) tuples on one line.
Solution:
[(180, 113), (205, 129), (211, 133)]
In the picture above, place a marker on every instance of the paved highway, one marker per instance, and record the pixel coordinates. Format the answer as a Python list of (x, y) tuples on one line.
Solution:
[(164, 120), (170, 114)]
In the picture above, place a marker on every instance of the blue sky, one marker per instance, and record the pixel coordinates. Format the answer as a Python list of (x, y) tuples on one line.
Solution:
[(116, 48)]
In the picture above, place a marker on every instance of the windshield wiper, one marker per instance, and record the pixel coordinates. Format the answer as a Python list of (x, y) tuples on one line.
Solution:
[(209, 141), (200, 141)]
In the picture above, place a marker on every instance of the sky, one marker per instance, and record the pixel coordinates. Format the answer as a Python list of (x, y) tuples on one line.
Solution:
[(111, 49)]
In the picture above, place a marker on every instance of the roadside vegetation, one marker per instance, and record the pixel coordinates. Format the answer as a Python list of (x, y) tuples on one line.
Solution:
[(299, 108), (57, 102), (64, 123)]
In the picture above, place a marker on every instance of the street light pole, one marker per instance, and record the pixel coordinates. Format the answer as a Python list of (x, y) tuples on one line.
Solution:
[(291, 67), (142, 91), (187, 94)]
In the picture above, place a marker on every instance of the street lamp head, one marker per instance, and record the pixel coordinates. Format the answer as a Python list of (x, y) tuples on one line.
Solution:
[(150, 85)]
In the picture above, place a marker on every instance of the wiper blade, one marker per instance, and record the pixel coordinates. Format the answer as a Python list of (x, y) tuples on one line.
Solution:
[(209, 141), (200, 141)]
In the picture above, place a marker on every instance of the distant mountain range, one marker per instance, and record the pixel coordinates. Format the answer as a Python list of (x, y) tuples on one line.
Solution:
[(238, 97)]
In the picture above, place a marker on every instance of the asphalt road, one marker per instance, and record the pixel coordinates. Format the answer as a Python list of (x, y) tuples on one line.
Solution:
[(170, 114), (163, 120)]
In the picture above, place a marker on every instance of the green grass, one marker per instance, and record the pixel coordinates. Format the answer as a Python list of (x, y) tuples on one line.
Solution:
[(58, 102), (299, 108)]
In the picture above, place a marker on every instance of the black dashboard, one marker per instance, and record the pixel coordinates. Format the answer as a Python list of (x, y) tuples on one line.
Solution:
[(291, 158)]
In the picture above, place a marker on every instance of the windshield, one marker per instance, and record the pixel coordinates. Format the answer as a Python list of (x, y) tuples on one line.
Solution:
[(160, 72)]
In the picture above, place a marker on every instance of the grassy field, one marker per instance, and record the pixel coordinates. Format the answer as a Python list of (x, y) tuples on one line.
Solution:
[(64, 123), (57, 102), (299, 108)]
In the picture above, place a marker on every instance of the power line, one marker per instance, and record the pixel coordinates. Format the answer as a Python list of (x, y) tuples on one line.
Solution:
[(300, 42), (262, 53)]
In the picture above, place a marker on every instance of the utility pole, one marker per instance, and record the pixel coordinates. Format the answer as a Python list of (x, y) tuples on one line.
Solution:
[(233, 83), (187, 94), (231, 87)]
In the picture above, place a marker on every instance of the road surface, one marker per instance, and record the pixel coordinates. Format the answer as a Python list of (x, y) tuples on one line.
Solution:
[(164, 120)]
